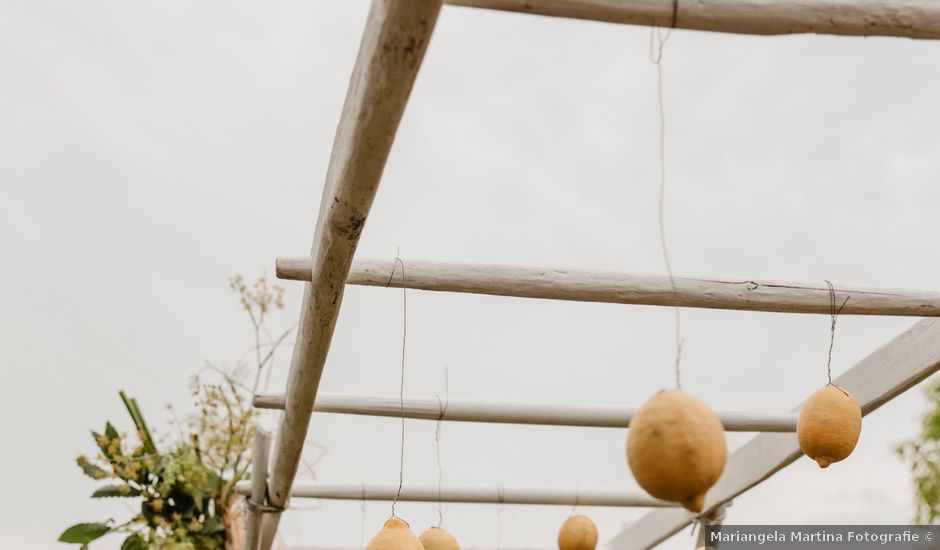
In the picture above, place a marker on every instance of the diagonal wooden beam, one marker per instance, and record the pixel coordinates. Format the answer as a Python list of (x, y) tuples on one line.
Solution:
[(392, 48), (888, 372), (904, 18), (632, 288)]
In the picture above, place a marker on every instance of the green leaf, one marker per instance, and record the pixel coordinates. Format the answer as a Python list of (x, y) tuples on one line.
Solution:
[(134, 411), (83, 533), (104, 442), (110, 431), (94, 472), (115, 491), (212, 525), (134, 542)]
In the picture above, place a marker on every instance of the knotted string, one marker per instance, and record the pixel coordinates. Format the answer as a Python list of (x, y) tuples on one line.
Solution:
[(437, 444), (833, 315), (656, 56), (401, 389)]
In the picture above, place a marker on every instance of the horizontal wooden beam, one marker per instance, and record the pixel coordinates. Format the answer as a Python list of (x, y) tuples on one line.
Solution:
[(630, 288), (902, 18), (472, 494), (888, 372), (514, 412)]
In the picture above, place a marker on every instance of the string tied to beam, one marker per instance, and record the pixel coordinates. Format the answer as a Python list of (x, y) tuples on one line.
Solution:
[(362, 512), (500, 510), (442, 405), (265, 508), (401, 388), (656, 56), (833, 316)]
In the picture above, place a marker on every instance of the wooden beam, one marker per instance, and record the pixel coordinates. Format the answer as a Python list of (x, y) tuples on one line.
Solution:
[(712, 519), (471, 494), (888, 372), (903, 18), (631, 288), (392, 48), (514, 412), (260, 450)]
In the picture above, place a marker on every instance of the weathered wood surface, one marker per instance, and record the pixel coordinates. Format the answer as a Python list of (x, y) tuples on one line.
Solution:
[(395, 38), (630, 288), (480, 494), (900, 18), (260, 449), (515, 412)]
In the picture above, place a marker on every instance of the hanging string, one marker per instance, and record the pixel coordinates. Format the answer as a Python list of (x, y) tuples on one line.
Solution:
[(656, 56), (437, 446), (577, 500), (499, 517), (500, 510), (833, 314), (362, 526), (401, 389)]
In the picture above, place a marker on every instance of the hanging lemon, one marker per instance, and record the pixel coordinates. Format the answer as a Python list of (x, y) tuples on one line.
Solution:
[(436, 538), (395, 535), (577, 533), (676, 448), (829, 425)]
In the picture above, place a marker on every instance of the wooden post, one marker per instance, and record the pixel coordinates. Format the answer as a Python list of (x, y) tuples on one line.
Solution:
[(257, 487), (393, 44)]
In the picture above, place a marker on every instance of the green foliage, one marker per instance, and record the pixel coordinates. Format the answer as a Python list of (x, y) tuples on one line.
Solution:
[(186, 490), (83, 533), (923, 456)]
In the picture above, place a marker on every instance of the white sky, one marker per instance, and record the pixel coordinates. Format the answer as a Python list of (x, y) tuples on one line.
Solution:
[(151, 150)]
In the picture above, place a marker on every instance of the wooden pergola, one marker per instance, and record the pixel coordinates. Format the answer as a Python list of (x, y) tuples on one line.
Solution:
[(393, 44)]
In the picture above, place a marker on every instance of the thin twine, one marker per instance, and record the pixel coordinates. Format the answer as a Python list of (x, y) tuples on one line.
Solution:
[(656, 56), (577, 500), (500, 510), (833, 314), (437, 445), (401, 389), (362, 526), (499, 517)]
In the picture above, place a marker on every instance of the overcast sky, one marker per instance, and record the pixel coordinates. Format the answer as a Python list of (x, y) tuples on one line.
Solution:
[(149, 151)]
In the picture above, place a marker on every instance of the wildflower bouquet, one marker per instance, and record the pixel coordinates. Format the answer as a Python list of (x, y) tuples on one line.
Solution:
[(185, 485), (186, 491)]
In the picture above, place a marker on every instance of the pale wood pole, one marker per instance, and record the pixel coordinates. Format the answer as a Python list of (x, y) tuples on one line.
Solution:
[(472, 494), (711, 519), (257, 487), (393, 44), (634, 288), (903, 18), (515, 412)]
